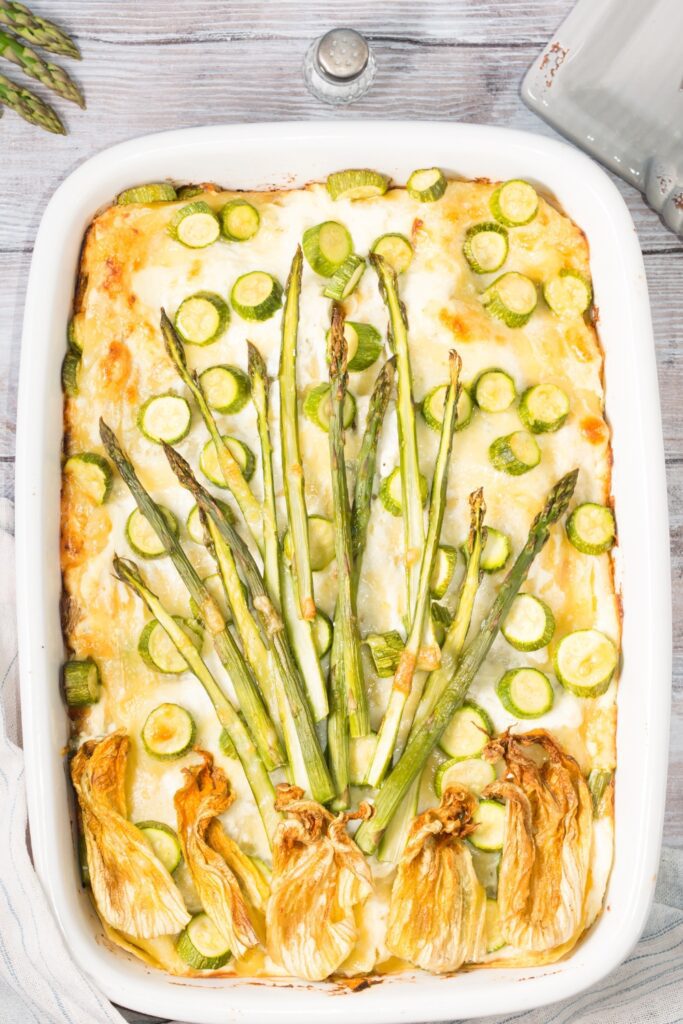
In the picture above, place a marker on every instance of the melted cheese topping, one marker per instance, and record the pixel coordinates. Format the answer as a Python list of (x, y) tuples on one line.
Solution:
[(131, 268)]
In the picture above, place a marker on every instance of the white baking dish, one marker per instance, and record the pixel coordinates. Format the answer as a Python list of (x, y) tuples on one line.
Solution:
[(259, 156)]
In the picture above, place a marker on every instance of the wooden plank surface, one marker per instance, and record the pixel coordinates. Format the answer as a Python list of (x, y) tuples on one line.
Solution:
[(166, 64)]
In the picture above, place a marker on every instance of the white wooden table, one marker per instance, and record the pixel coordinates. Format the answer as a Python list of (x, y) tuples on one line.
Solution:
[(162, 64)]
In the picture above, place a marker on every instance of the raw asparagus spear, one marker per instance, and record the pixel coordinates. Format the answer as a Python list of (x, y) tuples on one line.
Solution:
[(403, 679), (32, 64), (253, 766), (292, 468), (29, 106), (247, 694), (37, 30), (273, 627), (429, 732)]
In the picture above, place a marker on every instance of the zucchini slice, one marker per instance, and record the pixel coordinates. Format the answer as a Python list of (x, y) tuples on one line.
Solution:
[(529, 625), (426, 185), (82, 683), (585, 662), (239, 220), (189, 191), (525, 692), (195, 226), (71, 364), (158, 651), (361, 753), (226, 388), (318, 409), (543, 408), (357, 184), (489, 834), (320, 542), (514, 203), (445, 562), (326, 246), (591, 528), (345, 278), (155, 192), (142, 537), (433, 406), (568, 294), (202, 946), (473, 772), (385, 651), (164, 842), (494, 390), (390, 492), (494, 935), (497, 550), (243, 455), (73, 337), (511, 298), (467, 733), (165, 418), (92, 474), (256, 295), (486, 247), (322, 633), (193, 522), (395, 249), (202, 318), (168, 732), (515, 453), (363, 345)]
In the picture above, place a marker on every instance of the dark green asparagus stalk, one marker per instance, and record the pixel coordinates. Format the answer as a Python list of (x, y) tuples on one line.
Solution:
[(425, 738), (29, 106), (37, 30), (273, 627), (51, 75), (247, 694)]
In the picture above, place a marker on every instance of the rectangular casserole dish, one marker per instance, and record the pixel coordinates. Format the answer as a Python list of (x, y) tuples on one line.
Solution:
[(262, 156)]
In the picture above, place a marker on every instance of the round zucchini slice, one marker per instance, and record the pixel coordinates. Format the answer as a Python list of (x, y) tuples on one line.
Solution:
[(357, 184), (92, 474), (445, 562), (71, 364), (473, 773), (256, 295), (345, 279), (318, 408), (568, 294), (489, 834), (242, 454), (195, 226), (494, 935), (363, 345), (529, 625), (168, 732), (467, 733), (396, 250), (514, 203), (164, 842), (515, 454), (82, 683), (390, 492), (426, 185), (543, 408), (226, 388), (239, 220), (591, 528), (165, 418), (361, 753), (497, 550), (193, 522), (525, 692), (202, 946), (142, 537), (326, 246), (494, 390), (511, 298), (158, 651), (320, 543), (155, 192), (202, 318), (486, 247), (322, 633), (433, 405), (585, 662)]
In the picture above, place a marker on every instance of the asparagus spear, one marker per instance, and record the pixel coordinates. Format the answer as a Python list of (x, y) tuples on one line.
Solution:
[(403, 679), (253, 766), (273, 627), (292, 469), (247, 694), (37, 30), (29, 106), (278, 576), (242, 493), (429, 732), (32, 63)]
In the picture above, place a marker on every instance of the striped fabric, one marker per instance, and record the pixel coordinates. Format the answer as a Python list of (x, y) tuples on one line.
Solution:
[(40, 984)]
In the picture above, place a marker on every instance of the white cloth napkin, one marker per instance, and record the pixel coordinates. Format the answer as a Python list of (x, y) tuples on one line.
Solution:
[(40, 983)]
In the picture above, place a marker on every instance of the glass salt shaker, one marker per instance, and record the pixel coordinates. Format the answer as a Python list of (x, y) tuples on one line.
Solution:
[(340, 66)]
